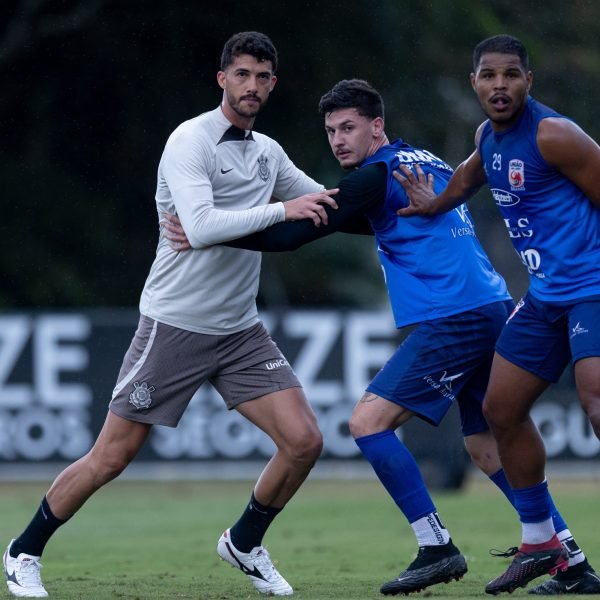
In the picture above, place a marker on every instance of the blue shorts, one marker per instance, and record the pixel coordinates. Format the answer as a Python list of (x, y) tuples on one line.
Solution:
[(541, 337), (445, 360)]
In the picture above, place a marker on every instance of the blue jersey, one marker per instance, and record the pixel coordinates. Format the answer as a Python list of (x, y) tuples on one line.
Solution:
[(553, 226), (434, 266)]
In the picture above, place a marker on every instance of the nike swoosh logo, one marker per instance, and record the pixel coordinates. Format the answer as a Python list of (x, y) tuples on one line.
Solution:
[(571, 587), (9, 576), (12, 577), (223, 171), (243, 568)]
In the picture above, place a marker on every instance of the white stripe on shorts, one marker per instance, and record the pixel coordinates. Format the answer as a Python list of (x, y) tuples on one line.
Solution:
[(138, 365)]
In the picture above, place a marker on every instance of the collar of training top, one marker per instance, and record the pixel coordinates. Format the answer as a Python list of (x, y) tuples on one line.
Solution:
[(235, 134)]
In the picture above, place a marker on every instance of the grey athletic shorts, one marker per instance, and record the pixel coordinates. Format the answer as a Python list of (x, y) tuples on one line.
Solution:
[(165, 366)]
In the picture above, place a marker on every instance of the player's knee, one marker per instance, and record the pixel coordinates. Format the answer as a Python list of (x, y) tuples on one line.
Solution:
[(492, 415), (364, 423), (113, 467), (307, 448), (359, 427), (591, 407), (109, 464)]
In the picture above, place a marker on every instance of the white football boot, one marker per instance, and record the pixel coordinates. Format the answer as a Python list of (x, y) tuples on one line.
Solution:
[(23, 575), (257, 565)]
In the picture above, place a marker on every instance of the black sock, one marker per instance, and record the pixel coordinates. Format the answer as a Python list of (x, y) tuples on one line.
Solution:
[(35, 537), (248, 532)]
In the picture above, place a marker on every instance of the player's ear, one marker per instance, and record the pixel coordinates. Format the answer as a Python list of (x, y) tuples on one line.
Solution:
[(529, 80), (221, 79), (377, 126), (273, 81)]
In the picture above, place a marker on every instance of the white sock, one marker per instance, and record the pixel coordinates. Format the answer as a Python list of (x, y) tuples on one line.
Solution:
[(429, 531), (576, 554), (537, 533)]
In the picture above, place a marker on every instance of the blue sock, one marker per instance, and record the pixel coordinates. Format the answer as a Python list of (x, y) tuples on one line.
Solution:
[(499, 478), (533, 504), (557, 520), (398, 472)]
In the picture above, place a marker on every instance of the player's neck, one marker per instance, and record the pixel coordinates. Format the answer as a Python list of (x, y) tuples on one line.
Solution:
[(378, 143), (236, 119)]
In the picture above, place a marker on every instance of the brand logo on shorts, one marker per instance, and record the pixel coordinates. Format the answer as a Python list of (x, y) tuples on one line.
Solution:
[(448, 379), (444, 385), (141, 397), (276, 364), (577, 330)]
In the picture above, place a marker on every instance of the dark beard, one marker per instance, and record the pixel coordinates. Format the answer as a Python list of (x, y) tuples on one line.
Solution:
[(246, 113)]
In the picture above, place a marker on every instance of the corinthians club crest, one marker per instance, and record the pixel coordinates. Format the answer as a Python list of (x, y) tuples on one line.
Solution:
[(141, 397), (263, 170)]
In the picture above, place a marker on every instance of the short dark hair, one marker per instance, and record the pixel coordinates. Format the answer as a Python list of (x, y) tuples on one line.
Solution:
[(253, 43), (353, 93), (503, 44)]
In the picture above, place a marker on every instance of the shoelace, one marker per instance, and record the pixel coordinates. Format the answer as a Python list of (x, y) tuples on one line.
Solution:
[(504, 554), (29, 572), (265, 564)]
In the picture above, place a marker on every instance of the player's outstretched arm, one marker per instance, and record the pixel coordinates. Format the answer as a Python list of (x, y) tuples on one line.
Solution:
[(309, 206)]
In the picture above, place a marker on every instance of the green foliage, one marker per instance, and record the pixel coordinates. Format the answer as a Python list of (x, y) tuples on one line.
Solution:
[(90, 92), (335, 540)]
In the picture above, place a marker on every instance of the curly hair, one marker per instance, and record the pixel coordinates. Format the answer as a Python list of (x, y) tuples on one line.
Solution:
[(253, 43)]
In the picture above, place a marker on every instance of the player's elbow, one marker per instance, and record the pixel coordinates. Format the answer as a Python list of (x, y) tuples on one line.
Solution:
[(197, 242)]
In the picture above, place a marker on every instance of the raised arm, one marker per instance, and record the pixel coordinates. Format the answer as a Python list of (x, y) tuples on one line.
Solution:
[(565, 146)]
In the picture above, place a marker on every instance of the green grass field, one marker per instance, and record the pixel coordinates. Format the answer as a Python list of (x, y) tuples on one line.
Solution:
[(336, 540)]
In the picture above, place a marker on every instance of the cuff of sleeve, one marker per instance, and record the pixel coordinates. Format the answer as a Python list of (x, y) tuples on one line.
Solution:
[(280, 211)]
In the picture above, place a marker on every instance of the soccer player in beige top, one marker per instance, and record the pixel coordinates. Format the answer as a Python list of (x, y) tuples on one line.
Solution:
[(199, 322)]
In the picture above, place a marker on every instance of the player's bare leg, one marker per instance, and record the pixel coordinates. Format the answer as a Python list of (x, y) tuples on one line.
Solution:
[(287, 418), (587, 380), (483, 450), (510, 395), (290, 422), (117, 444)]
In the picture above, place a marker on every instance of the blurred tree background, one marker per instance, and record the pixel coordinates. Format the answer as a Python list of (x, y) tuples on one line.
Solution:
[(91, 89)]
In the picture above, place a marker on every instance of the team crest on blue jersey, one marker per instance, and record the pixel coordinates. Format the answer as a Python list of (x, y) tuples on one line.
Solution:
[(141, 397), (263, 169), (516, 174)]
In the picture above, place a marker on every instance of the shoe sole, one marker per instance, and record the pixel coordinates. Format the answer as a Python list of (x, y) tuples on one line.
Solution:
[(456, 567)]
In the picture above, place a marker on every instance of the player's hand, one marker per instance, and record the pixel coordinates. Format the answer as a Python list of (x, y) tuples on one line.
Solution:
[(418, 188), (311, 206), (173, 231)]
